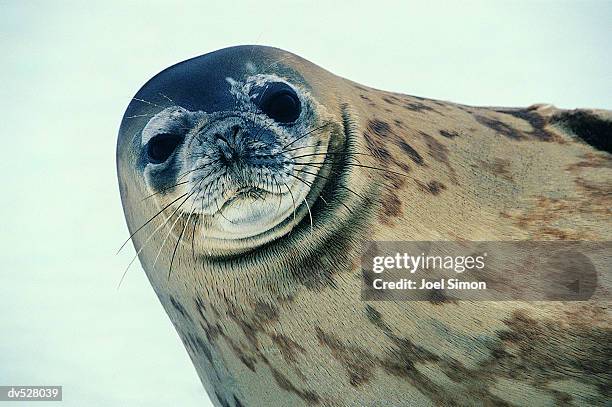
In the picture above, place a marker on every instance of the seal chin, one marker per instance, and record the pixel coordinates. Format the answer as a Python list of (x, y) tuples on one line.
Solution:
[(247, 215)]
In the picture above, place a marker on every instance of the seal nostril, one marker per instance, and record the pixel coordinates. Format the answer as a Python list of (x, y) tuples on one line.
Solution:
[(222, 141), (235, 130), (225, 147)]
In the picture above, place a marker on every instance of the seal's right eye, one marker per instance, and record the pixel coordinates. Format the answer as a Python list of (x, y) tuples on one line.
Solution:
[(279, 101), (161, 147)]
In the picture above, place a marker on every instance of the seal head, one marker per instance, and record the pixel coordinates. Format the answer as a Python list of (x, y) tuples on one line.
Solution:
[(237, 144)]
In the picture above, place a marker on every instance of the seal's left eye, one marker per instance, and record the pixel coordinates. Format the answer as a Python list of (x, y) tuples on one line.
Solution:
[(161, 147), (280, 102)]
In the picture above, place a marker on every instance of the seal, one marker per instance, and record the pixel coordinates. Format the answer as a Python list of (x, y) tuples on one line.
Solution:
[(251, 180)]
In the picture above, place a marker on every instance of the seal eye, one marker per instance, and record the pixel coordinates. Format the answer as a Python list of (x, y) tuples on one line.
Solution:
[(160, 147), (280, 102)]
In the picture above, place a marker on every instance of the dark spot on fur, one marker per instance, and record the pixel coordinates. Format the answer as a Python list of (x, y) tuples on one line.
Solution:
[(388, 100), (412, 153), (500, 127), (499, 167), (438, 297), (368, 277), (449, 133), (211, 330), (588, 127), (392, 206), (590, 160), (418, 107), (380, 132), (536, 121), (436, 149), (379, 127), (246, 359), (545, 350), (433, 187), (400, 362), (266, 312), (464, 108), (249, 328), (284, 383), (289, 349), (394, 181), (402, 166), (222, 400), (377, 148), (197, 345), (599, 192), (358, 363), (562, 399), (179, 308), (200, 307), (237, 402), (375, 318), (439, 152)]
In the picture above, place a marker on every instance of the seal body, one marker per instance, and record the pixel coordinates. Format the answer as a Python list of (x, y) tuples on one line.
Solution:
[(251, 179)]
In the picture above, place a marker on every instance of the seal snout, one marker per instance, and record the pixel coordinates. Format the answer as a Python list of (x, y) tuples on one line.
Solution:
[(243, 148), (237, 160)]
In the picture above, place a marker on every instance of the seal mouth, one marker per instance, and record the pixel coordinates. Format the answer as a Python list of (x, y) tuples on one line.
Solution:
[(247, 192)]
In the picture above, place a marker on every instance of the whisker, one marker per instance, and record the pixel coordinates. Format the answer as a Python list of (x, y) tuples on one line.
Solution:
[(148, 103), (164, 189), (359, 165), (292, 199), (183, 231), (195, 223), (304, 135), (139, 115), (217, 200), (170, 231), (221, 213), (299, 148), (277, 61), (167, 98), (331, 154), (321, 195), (197, 169), (305, 201), (341, 186), (145, 244), (147, 222), (280, 193), (255, 116), (309, 215)]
